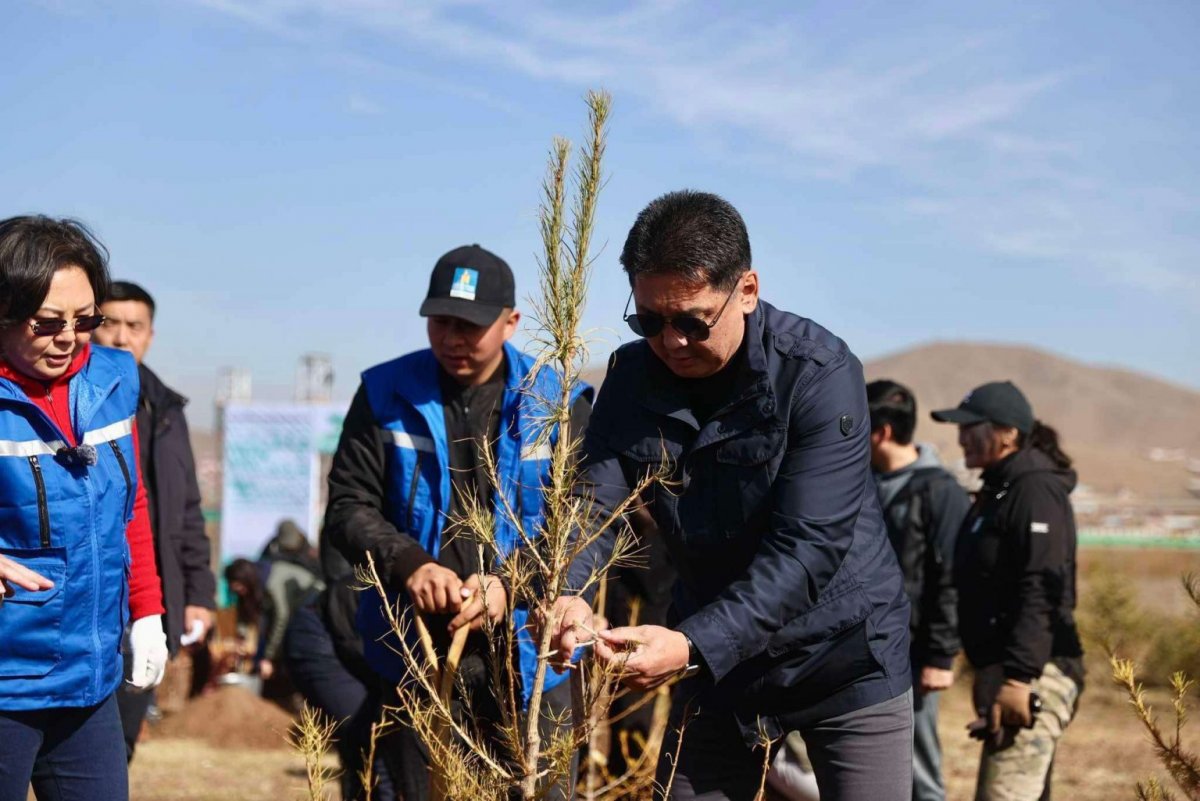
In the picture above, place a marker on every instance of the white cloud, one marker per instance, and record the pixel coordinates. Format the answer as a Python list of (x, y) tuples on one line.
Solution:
[(357, 104), (924, 106)]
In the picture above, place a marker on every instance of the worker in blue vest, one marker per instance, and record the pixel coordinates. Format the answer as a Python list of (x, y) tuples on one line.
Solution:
[(76, 552), (409, 456)]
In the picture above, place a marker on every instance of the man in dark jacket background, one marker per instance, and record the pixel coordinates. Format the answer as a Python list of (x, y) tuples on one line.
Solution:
[(789, 603), (181, 546), (923, 507)]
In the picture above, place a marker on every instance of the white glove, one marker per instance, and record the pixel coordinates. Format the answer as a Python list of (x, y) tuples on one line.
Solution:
[(148, 645)]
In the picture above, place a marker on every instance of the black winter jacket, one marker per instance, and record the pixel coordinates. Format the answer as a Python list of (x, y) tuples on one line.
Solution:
[(923, 520), (787, 585), (1015, 569), (169, 470)]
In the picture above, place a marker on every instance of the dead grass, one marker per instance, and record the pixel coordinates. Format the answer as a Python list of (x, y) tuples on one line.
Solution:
[(193, 770), (1105, 751)]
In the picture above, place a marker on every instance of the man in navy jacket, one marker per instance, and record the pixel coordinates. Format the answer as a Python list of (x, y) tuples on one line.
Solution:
[(789, 608)]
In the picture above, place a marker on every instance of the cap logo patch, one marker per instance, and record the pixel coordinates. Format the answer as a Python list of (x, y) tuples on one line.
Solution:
[(465, 282), (1039, 528)]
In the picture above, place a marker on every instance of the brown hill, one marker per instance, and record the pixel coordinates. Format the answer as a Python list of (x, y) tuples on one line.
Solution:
[(1109, 419)]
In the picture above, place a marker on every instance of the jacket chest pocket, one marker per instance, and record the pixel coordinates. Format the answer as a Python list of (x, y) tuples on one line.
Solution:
[(728, 492), (31, 622), (745, 468), (984, 546)]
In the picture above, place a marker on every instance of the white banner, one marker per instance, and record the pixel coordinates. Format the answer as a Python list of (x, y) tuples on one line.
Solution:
[(272, 470)]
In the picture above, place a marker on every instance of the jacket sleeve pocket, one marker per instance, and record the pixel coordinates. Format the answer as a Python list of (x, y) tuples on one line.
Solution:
[(31, 621), (842, 608)]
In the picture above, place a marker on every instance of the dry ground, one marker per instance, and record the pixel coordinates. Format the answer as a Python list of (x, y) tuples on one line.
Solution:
[(1104, 753)]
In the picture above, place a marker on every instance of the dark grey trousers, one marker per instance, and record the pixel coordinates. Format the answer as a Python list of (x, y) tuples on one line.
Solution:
[(928, 784), (865, 755)]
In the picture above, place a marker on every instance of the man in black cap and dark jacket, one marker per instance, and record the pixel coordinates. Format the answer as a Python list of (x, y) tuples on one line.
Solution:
[(180, 543)]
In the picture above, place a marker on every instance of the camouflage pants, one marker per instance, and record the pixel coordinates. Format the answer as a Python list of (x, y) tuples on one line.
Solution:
[(1017, 772)]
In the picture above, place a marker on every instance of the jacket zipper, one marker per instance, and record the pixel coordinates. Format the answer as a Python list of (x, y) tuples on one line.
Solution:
[(412, 495), (43, 508), (124, 467)]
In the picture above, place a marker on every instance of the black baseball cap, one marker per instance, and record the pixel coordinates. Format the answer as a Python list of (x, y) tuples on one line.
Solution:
[(472, 284), (997, 402)]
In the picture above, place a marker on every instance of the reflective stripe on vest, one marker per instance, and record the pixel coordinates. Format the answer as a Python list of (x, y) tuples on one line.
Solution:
[(36, 447)]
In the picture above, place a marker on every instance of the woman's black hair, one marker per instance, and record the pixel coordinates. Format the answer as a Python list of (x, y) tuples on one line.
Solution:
[(32, 249), (1045, 439), (250, 605)]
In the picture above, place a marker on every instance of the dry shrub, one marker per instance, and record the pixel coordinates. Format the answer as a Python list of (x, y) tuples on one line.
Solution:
[(1181, 764), (1113, 622)]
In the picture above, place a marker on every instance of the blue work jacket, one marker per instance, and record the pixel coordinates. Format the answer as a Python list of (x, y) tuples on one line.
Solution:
[(788, 586), (66, 520), (405, 398)]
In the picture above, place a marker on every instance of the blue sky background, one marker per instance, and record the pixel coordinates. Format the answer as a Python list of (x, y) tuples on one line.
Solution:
[(283, 174)]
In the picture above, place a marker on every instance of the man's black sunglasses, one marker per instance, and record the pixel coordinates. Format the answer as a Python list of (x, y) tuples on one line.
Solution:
[(51, 328), (649, 324)]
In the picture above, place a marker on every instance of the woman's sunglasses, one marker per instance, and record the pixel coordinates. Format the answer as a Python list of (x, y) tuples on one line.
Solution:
[(80, 325), (649, 324)]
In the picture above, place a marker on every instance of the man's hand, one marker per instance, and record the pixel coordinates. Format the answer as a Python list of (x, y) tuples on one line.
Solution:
[(20, 575), (647, 655), (197, 621), (494, 601), (934, 679), (434, 589), (266, 669), (572, 620)]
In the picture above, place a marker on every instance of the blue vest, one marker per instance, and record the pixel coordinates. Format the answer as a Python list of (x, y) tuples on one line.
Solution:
[(405, 397), (61, 647)]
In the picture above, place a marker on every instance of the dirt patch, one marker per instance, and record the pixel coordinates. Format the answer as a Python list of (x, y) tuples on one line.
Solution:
[(229, 717)]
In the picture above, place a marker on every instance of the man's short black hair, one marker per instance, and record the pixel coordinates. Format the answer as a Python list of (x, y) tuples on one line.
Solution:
[(894, 404), (127, 290), (32, 249), (695, 235)]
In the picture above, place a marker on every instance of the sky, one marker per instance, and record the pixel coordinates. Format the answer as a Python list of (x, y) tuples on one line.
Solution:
[(282, 175)]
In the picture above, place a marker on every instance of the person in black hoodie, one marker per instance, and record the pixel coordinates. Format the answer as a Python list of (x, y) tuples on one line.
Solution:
[(1015, 572), (180, 544)]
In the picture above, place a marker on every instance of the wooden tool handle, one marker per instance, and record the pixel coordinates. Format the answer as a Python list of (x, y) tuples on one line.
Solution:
[(426, 643), (453, 657)]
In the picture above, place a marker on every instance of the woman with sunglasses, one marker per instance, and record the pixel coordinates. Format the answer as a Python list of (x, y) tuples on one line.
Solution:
[(1015, 572), (76, 556)]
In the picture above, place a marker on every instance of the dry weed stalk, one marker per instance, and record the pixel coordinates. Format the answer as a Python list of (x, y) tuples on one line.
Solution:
[(366, 775), (311, 737), (465, 764), (1182, 765)]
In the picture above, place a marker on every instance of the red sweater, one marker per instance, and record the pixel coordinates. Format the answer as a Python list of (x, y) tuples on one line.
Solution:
[(145, 588)]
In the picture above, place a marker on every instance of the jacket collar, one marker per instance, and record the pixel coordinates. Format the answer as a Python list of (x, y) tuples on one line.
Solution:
[(155, 393), (666, 394)]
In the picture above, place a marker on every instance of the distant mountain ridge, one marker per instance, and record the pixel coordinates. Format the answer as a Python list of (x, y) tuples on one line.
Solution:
[(1109, 418)]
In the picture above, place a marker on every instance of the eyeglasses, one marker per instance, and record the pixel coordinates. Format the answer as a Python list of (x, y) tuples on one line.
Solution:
[(649, 324), (80, 325)]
